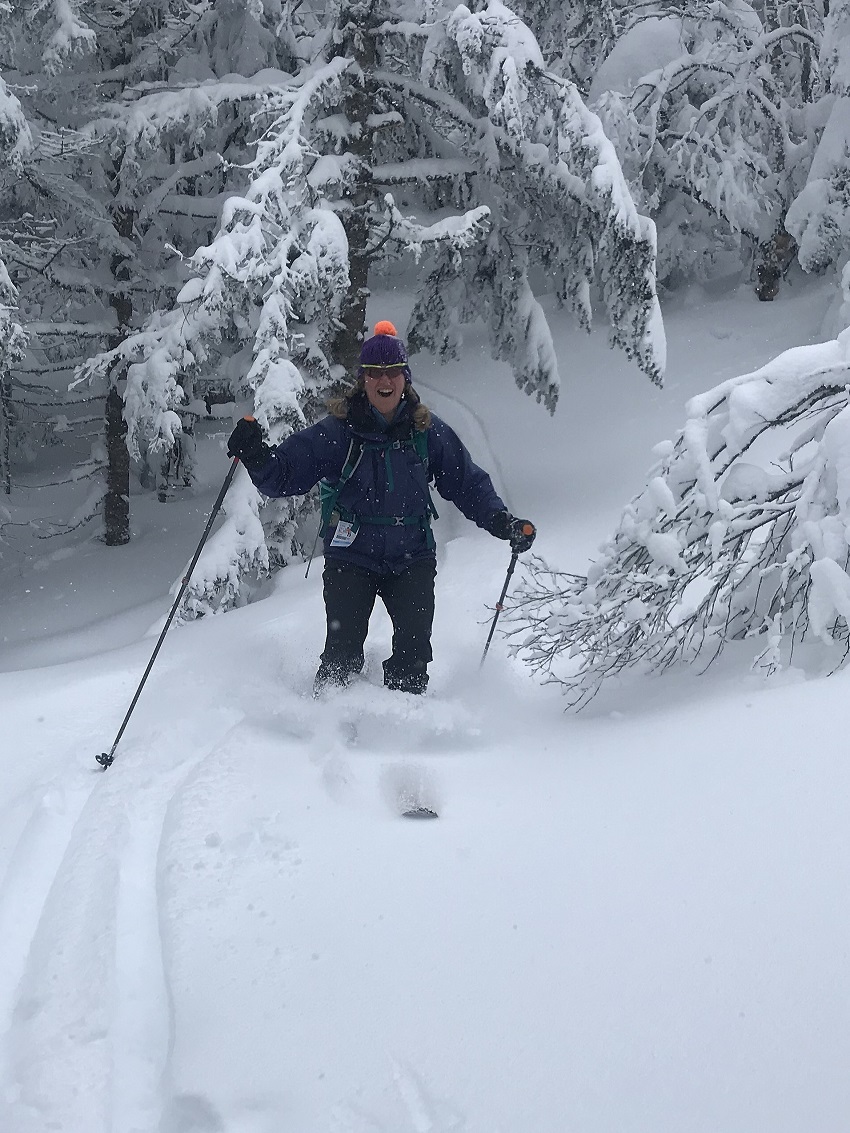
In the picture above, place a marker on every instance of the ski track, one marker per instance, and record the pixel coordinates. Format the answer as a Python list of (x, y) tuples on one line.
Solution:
[(47, 818), (365, 731), (492, 463), (84, 990), (199, 869), (425, 1115), (413, 1109)]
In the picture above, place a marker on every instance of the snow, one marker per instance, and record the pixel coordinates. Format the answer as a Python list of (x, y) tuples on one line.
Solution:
[(647, 47), (15, 135), (513, 50), (830, 596), (632, 920), (814, 219), (69, 34), (762, 395), (834, 49), (834, 140)]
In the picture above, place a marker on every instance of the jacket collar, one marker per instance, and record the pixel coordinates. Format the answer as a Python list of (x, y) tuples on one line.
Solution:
[(363, 423)]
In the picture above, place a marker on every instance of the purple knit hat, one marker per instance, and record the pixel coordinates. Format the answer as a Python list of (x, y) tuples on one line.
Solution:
[(383, 351)]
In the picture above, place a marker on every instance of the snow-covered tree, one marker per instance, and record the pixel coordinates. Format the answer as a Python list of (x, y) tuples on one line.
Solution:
[(267, 292), (138, 132), (61, 30), (560, 204), (14, 143), (575, 36), (11, 350), (743, 531), (819, 218), (835, 47), (443, 116), (716, 137)]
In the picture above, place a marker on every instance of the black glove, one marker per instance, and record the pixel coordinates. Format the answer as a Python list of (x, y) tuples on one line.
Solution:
[(246, 442), (520, 532)]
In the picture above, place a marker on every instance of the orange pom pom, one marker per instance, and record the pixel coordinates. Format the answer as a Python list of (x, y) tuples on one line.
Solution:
[(385, 327)]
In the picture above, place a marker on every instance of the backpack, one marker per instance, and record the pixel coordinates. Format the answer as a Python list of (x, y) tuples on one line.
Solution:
[(329, 493)]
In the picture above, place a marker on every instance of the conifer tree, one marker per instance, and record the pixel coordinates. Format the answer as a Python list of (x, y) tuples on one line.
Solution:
[(574, 36), (15, 140), (134, 135), (445, 114), (560, 204), (266, 293), (12, 340), (717, 140), (819, 218)]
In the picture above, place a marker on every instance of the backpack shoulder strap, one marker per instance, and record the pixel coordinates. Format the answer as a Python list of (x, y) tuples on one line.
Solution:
[(329, 493), (355, 453), (420, 443)]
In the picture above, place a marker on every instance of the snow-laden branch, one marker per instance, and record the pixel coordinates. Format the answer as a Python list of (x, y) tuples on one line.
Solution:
[(15, 141), (15, 136), (186, 110), (717, 129), (743, 530), (819, 217), (68, 34), (273, 276), (562, 197), (459, 232), (421, 170), (287, 140), (236, 549)]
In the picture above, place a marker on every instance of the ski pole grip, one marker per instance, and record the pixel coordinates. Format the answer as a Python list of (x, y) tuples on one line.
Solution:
[(528, 529), (246, 417)]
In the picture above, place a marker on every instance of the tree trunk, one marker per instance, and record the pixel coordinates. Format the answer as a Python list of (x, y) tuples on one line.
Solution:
[(357, 19), (116, 503), (806, 76), (6, 429)]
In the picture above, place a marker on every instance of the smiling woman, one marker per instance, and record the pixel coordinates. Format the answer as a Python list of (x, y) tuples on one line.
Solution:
[(375, 456), (384, 389)]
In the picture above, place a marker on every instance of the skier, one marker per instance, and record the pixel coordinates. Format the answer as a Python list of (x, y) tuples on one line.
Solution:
[(375, 454)]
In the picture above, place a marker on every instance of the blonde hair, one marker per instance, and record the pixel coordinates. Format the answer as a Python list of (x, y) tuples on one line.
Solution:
[(339, 406)]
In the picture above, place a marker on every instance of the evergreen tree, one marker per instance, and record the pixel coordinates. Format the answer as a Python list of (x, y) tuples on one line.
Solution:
[(14, 142), (574, 36), (717, 141), (835, 48), (267, 293), (819, 218), (138, 133), (560, 204), (442, 113)]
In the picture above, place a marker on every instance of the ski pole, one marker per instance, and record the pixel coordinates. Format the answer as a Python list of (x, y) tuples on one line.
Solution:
[(106, 759), (528, 529)]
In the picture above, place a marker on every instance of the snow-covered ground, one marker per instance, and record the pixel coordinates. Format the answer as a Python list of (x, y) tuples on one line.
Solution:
[(633, 920)]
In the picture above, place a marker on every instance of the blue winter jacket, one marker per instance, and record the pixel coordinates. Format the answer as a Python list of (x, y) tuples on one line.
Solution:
[(390, 481)]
